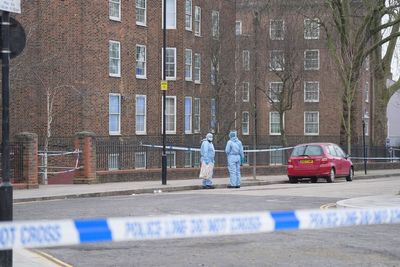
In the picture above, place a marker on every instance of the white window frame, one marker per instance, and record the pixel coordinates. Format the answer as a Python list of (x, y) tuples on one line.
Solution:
[(196, 115), (166, 110), (113, 162), (140, 154), (306, 93), (141, 23), (246, 59), (214, 72), (308, 32), (311, 60), (114, 2), (197, 68), (213, 114), (275, 54), (238, 27), (168, 78), (188, 116), (273, 31), (188, 155), (274, 95), (271, 114), (118, 131), (169, 27), (197, 21), (110, 58), (246, 92), (215, 24), (144, 115), (188, 15), (169, 153), (245, 131), (366, 92), (366, 121), (188, 65), (272, 154), (144, 76), (305, 123)]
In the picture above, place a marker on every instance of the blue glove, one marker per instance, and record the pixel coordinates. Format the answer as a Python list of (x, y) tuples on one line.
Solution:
[(206, 161)]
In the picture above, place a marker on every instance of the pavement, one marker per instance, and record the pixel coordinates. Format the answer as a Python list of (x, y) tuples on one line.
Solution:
[(36, 258)]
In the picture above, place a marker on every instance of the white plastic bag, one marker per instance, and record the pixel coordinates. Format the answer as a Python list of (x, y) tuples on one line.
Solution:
[(206, 170)]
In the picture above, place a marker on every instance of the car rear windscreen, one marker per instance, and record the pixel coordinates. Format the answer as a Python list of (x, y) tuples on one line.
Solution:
[(307, 150)]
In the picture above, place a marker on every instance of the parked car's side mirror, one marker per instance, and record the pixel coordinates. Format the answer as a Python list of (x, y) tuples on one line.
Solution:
[(347, 156)]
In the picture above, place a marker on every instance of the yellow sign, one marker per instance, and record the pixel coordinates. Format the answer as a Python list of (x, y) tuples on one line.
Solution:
[(164, 85)]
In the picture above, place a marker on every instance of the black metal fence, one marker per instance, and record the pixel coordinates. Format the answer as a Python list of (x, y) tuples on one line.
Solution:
[(144, 152), (16, 162)]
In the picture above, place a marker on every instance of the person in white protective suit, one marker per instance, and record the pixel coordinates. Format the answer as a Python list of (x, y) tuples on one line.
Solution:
[(207, 152), (235, 155)]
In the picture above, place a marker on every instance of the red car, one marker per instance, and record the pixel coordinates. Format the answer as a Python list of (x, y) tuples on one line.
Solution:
[(319, 160)]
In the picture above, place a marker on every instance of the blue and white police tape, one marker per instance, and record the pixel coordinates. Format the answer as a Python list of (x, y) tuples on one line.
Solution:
[(31, 234), (169, 147)]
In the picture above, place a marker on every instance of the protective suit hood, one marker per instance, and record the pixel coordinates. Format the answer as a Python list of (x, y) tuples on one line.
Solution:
[(233, 136)]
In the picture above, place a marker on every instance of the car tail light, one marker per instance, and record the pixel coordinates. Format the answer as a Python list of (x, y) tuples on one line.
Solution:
[(324, 160), (289, 161)]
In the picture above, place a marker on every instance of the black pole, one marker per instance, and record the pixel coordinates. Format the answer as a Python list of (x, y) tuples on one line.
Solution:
[(364, 148), (6, 190), (164, 154)]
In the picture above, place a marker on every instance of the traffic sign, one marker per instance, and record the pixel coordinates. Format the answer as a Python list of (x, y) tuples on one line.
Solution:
[(164, 85), (17, 38), (11, 5)]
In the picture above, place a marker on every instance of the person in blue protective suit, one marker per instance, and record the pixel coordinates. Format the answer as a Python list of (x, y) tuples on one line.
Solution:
[(207, 152), (235, 155)]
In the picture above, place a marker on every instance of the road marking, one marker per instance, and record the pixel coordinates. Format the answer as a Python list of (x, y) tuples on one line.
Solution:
[(328, 206), (59, 263)]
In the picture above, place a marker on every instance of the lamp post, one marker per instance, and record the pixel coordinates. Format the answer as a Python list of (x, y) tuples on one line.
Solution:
[(364, 147), (6, 190), (164, 154)]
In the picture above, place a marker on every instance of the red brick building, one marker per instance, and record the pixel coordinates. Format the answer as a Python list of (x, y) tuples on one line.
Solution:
[(101, 61)]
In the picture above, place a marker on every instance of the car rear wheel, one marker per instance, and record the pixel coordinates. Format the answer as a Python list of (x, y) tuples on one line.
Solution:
[(349, 178), (332, 176), (314, 180), (293, 180)]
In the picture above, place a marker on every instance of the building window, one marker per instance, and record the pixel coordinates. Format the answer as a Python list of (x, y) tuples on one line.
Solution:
[(141, 61), (171, 159), (274, 123), (276, 155), (214, 72), (140, 122), (311, 60), (367, 92), (170, 115), (246, 59), (188, 115), (188, 64), (238, 28), (188, 15), (114, 54), (311, 123), (246, 92), (246, 155), (114, 7), (114, 114), (311, 29), (311, 91), (277, 60), (141, 12), (276, 29), (245, 122), (215, 24), (170, 63), (140, 160), (113, 162), (197, 21), (171, 14), (367, 63), (213, 114), (188, 159), (196, 115), (197, 68), (196, 159), (275, 90)]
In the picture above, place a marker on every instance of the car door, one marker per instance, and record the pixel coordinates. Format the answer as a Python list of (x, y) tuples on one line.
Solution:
[(342, 159)]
